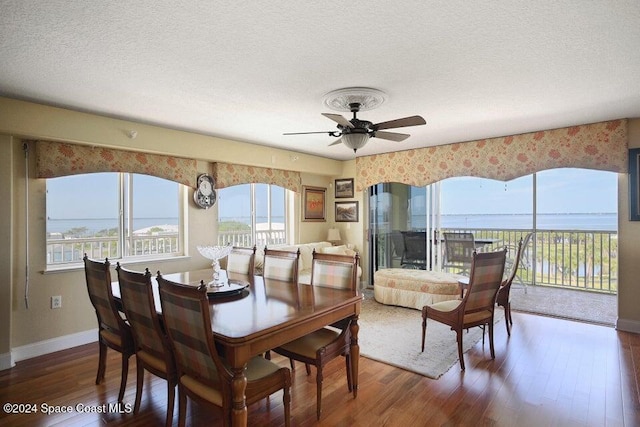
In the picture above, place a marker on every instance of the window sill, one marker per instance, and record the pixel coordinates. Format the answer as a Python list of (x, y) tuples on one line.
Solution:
[(66, 268)]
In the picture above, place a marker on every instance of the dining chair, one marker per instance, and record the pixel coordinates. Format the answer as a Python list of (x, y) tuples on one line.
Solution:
[(241, 260), (152, 348), (523, 261), (477, 306), (504, 293), (113, 331), (459, 248), (281, 265), (324, 345), (203, 375)]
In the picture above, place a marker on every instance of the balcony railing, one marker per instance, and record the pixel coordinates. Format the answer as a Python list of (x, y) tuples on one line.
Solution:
[(70, 250), (578, 259), (243, 238)]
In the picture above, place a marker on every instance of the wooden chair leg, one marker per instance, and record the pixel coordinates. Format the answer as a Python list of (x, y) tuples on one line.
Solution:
[(308, 368), (493, 353), (293, 364), (318, 392), (347, 358), (424, 329), (171, 391), (286, 400), (123, 379), (459, 336), (182, 407), (139, 384), (507, 314), (102, 361)]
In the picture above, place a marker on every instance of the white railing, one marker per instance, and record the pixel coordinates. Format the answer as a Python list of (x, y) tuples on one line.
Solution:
[(243, 238), (71, 250)]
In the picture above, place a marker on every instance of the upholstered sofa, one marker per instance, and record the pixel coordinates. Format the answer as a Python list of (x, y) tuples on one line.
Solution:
[(306, 257)]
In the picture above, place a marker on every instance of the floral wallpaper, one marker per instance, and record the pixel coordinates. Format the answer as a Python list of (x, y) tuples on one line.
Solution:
[(227, 174), (601, 146), (54, 159)]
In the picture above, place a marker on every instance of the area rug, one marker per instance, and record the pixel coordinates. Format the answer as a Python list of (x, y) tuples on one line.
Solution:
[(392, 335)]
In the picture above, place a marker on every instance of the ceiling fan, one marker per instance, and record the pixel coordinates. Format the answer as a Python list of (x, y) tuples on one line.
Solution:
[(355, 133)]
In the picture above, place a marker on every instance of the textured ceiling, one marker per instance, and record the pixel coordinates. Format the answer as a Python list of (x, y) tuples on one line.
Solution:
[(250, 71)]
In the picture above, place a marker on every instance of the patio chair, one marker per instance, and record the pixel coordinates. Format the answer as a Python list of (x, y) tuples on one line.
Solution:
[(202, 374), (503, 299), (523, 261), (113, 331), (477, 307), (415, 249), (459, 248), (321, 346), (397, 245)]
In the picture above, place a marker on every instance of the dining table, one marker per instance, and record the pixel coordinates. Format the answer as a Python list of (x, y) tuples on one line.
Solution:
[(251, 315)]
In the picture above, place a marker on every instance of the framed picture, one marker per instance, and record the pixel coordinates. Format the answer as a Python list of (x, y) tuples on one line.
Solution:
[(313, 204), (344, 188), (346, 211), (634, 184)]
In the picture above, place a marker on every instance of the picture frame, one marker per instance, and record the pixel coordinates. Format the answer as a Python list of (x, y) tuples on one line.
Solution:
[(347, 211), (314, 204), (634, 184), (344, 188)]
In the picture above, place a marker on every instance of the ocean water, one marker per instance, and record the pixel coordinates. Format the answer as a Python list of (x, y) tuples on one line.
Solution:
[(95, 225), (570, 221)]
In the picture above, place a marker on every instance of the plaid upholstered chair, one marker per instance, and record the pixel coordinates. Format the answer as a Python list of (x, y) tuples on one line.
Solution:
[(324, 345), (153, 351), (281, 265), (477, 306), (241, 260), (113, 331), (202, 374)]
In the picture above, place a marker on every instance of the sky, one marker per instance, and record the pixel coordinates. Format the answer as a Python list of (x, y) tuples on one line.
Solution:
[(559, 191)]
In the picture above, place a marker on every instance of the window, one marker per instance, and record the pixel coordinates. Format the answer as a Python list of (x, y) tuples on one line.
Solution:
[(252, 214), (112, 215)]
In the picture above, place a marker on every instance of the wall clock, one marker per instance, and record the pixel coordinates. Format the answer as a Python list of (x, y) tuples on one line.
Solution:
[(205, 194)]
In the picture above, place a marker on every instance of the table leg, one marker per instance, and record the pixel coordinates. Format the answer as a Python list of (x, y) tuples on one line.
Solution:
[(355, 354), (239, 403)]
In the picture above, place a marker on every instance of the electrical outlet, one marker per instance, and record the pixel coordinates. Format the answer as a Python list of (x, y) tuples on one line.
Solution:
[(56, 301)]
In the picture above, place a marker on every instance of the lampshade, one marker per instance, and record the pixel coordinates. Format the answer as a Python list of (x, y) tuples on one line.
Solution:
[(333, 235), (355, 140)]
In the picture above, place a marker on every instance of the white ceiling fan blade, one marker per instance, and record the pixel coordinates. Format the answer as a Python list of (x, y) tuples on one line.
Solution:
[(336, 142), (338, 119), (391, 136)]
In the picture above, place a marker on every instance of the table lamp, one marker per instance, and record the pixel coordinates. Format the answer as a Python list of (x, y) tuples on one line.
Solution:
[(333, 236)]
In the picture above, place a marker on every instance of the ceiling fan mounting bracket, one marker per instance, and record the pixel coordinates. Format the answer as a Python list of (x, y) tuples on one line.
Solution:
[(366, 98)]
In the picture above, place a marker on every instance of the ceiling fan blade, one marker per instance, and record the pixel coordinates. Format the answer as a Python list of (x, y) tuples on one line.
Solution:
[(336, 142), (399, 123), (391, 136), (338, 119), (330, 132)]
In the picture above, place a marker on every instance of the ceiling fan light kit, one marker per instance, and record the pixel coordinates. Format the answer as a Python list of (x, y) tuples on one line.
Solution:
[(355, 133)]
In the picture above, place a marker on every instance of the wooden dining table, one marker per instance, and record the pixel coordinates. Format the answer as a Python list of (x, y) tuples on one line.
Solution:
[(265, 315)]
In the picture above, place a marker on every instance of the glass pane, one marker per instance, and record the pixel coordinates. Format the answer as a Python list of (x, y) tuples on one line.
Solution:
[(480, 203), (577, 199), (278, 212), (155, 207), (81, 222), (234, 215)]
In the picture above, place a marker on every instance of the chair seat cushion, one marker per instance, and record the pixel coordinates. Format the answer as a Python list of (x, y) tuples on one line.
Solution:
[(111, 337), (446, 305), (259, 367), (151, 360), (199, 389), (308, 345)]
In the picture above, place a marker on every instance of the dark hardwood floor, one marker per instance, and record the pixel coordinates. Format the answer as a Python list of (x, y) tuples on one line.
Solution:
[(551, 372)]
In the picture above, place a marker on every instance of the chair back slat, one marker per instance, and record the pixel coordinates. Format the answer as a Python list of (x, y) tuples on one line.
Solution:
[(241, 260), (137, 300), (187, 320), (281, 265), (485, 280), (334, 271), (98, 276)]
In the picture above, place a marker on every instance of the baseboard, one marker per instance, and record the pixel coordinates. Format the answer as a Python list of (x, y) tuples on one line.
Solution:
[(54, 344), (6, 361), (628, 325)]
